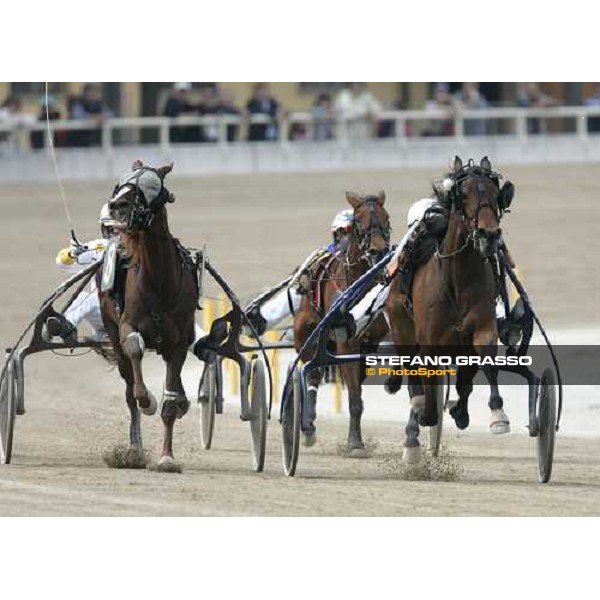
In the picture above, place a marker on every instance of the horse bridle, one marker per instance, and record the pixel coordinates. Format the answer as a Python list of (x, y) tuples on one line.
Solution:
[(456, 195), (142, 212), (366, 234)]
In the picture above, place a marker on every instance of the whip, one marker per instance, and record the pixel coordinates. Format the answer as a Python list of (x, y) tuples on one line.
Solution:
[(52, 152)]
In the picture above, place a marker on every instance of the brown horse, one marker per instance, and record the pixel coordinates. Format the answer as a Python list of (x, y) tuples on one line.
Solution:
[(369, 239), (454, 295), (152, 304)]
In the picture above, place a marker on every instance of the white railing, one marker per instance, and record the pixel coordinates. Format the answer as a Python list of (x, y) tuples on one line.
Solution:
[(407, 124)]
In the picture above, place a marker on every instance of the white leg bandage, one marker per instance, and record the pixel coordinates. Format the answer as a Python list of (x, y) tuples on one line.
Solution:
[(282, 305)]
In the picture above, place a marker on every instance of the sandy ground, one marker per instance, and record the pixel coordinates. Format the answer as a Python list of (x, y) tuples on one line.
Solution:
[(257, 227)]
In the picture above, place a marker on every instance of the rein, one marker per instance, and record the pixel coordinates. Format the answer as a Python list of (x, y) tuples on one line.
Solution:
[(456, 252)]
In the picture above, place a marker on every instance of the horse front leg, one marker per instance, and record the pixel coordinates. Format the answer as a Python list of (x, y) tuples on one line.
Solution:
[(174, 405), (133, 347), (355, 445), (464, 387), (411, 452), (135, 458), (499, 421), (309, 430), (485, 340)]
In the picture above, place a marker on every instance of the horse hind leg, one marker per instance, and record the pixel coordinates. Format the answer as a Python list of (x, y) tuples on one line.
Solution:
[(133, 347), (499, 421), (174, 405)]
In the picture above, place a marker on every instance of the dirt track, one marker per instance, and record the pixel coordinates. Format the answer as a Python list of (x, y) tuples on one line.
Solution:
[(258, 227)]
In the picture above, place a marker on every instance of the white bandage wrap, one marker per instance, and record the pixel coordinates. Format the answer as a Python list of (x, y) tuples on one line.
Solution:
[(140, 339)]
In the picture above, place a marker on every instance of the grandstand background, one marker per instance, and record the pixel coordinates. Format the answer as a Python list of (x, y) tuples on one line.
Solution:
[(207, 127), (135, 99)]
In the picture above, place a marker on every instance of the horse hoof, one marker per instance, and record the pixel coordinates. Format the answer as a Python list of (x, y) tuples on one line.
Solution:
[(309, 439), (460, 420), (167, 464), (357, 452), (151, 408), (412, 455), (427, 420), (393, 384), (499, 422)]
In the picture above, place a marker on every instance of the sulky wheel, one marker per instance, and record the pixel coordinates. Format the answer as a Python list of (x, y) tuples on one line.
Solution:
[(259, 410), (207, 396), (546, 415), (435, 432), (8, 406), (290, 424)]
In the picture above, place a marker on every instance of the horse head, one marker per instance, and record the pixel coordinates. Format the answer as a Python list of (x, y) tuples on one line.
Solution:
[(139, 196), (371, 225), (475, 196)]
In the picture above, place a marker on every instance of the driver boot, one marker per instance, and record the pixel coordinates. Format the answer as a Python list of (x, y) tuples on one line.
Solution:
[(59, 326)]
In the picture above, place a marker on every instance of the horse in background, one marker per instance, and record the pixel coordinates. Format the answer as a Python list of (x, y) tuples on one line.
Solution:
[(369, 240), (454, 297), (151, 304)]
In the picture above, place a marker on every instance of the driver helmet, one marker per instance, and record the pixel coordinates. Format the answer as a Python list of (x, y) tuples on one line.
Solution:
[(342, 223)]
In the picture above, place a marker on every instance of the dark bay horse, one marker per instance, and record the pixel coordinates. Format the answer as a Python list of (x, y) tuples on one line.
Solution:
[(152, 304), (369, 240), (454, 296)]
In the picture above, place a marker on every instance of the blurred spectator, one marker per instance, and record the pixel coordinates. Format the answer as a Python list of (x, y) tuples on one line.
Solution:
[(207, 107), (11, 114), (442, 100), (386, 128), (531, 96), (88, 106), (178, 105), (323, 118), (594, 100), (469, 97), (263, 103), (226, 106), (298, 131), (38, 138), (358, 108)]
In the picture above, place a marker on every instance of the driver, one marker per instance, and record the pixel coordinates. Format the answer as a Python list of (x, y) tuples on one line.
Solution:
[(86, 306), (265, 314)]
